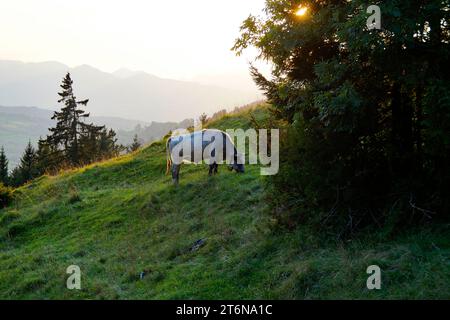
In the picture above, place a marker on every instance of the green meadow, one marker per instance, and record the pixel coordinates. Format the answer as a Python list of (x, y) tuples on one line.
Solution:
[(132, 234)]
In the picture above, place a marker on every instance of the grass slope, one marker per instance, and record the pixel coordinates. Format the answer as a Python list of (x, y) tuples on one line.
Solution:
[(118, 218)]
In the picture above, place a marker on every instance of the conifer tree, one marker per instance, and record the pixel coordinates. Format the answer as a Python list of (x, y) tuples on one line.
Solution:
[(46, 160), (15, 178), (28, 165), (70, 125), (135, 145), (3, 167), (108, 144)]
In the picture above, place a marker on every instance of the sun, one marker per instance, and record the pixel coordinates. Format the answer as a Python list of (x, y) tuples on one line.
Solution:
[(301, 11)]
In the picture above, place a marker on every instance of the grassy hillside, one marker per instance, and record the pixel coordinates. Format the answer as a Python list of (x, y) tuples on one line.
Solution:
[(122, 217)]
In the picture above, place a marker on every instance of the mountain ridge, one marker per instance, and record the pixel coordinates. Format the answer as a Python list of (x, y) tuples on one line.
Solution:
[(140, 95)]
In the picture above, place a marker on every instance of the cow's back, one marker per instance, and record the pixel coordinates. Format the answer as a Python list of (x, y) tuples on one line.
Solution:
[(199, 141)]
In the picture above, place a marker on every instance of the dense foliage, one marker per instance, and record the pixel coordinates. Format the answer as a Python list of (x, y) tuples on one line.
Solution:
[(368, 110)]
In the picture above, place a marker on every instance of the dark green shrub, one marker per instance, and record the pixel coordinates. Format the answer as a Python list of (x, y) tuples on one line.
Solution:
[(6, 196), (368, 117)]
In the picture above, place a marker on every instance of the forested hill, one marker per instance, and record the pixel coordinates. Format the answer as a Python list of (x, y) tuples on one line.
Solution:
[(18, 125), (134, 235)]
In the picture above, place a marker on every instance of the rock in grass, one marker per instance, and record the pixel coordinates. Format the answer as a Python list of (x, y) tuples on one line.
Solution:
[(197, 245)]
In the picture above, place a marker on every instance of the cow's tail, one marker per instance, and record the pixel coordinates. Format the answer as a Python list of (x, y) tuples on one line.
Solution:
[(169, 158)]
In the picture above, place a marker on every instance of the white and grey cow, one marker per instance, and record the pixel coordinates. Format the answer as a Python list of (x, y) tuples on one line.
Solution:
[(210, 146)]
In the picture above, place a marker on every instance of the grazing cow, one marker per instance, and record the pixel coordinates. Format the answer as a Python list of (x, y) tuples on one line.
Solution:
[(212, 146)]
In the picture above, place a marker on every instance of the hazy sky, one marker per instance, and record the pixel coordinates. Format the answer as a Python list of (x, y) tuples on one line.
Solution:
[(178, 39)]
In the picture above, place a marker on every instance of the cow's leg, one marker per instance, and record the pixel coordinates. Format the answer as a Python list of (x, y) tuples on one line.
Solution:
[(175, 173), (211, 168), (216, 168)]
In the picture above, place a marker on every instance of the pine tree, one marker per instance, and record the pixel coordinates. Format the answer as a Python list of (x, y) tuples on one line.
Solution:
[(90, 143), (46, 159), (15, 178), (3, 167), (108, 147), (28, 165), (70, 126), (135, 145)]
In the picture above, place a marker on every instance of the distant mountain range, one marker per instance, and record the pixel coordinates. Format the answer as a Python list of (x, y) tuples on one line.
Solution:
[(18, 125), (124, 93)]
